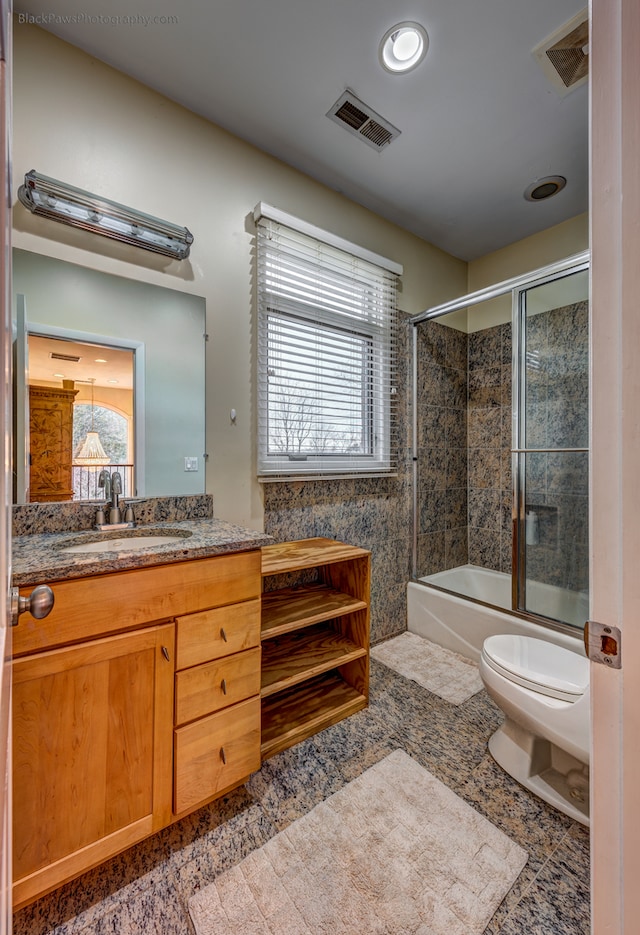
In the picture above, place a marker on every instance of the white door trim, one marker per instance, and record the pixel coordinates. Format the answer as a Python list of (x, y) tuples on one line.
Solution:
[(5, 462), (615, 464)]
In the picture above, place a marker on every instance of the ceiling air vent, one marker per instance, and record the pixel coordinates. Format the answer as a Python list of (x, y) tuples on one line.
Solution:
[(55, 356), (358, 118), (564, 56)]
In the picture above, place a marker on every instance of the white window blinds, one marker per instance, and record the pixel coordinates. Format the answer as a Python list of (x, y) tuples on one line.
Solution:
[(326, 318)]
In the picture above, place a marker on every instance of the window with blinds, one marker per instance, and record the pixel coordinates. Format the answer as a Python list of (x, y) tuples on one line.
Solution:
[(326, 318)]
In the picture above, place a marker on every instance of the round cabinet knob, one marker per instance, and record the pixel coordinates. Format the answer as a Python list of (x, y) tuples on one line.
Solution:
[(39, 603)]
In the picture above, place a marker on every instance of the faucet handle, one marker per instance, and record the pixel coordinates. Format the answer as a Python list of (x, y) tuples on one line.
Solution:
[(104, 481)]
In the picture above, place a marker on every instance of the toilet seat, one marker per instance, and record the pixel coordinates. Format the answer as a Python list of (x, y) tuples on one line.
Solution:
[(538, 665)]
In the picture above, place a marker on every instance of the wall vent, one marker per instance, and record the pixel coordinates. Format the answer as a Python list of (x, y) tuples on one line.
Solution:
[(55, 356), (361, 120), (564, 56)]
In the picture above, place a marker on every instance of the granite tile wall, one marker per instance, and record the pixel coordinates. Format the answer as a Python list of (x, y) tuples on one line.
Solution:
[(373, 513), (489, 439), (465, 437), (442, 448), (557, 416)]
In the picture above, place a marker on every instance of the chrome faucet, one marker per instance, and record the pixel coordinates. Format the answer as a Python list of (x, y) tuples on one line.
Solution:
[(112, 485), (104, 480), (115, 513)]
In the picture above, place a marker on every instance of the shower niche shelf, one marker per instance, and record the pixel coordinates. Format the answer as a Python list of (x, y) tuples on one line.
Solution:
[(315, 639)]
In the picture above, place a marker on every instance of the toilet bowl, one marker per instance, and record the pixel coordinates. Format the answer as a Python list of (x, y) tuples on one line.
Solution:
[(543, 690)]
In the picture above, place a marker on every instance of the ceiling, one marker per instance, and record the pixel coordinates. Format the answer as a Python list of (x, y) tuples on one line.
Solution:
[(479, 120), (97, 364)]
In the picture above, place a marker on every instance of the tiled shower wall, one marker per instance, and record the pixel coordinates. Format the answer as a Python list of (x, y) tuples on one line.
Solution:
[(464, 398), (489, 440), (557, 416), (373, 513), (442, 448)]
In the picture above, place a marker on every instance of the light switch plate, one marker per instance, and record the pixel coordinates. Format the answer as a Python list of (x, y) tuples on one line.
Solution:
[(191, 464)]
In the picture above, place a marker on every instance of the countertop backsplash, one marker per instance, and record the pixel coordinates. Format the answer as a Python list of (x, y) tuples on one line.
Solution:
[(80, 516)]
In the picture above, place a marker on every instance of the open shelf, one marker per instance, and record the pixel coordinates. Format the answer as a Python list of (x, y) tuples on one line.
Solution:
[(292, 608), (306, 553), (300, 712), (295, 657), (315, 639)]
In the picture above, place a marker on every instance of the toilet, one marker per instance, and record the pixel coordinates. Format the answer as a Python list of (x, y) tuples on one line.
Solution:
[(543, 690)]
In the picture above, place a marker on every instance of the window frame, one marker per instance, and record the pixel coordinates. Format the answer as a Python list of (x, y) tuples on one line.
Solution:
[(374, 323)]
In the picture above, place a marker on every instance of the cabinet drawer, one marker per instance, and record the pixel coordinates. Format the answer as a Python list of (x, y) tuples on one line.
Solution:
[(216, 633), (101, 604), (215, 753), (215, 685)]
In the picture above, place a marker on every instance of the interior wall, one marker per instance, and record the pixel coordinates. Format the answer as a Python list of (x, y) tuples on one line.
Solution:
[(113, 136), (524, 256)]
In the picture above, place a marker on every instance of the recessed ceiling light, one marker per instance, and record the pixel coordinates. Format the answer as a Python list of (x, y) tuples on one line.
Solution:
[(403, 47), (113, 381), (58, 375), (545, 188), (100, 360)]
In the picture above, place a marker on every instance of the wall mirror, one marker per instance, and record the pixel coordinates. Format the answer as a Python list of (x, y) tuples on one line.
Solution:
[(94, 351)]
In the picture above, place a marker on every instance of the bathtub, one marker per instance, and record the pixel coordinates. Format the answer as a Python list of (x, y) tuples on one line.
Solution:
[(462, 625)]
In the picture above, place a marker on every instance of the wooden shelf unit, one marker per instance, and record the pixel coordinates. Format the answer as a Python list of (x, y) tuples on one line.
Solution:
[(315, 640)]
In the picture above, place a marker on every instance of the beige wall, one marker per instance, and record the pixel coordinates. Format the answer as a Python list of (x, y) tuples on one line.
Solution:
[(524, 256), (82, 122), (531, 253)]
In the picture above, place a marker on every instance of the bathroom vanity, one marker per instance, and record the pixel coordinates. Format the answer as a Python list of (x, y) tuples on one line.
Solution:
[(139, 698), (135, 701)]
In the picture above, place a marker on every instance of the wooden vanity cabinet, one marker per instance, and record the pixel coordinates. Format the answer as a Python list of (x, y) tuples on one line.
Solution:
[(120, 713), (217, 702), (91, 754)]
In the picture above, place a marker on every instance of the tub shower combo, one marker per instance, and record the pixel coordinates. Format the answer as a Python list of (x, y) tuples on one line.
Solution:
[(500, 493)]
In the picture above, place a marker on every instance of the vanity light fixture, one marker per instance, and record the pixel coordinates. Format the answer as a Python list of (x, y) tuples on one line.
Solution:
[(403, 47), (61, 202)]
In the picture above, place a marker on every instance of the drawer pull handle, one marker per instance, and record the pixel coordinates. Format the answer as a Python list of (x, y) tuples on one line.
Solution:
[(223, 756), (223, 686), (165, 653), (223, 634)]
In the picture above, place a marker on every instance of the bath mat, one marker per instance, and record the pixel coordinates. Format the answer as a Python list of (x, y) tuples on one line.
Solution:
[(394, 852), (443, 672)]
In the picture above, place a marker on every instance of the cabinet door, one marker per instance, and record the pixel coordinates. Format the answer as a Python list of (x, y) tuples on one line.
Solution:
[(92, 738)]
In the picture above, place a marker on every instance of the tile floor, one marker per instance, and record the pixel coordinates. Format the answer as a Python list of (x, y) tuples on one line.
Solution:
[(146, 889)]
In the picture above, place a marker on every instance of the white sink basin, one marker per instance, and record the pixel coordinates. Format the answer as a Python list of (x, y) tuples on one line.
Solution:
[(125, 543)]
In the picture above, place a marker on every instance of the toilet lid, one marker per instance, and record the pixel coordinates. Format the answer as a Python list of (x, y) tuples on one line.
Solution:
[(538, 665)]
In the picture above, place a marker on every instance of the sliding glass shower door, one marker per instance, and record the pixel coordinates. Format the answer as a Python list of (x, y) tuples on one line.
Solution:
[(551, 442)]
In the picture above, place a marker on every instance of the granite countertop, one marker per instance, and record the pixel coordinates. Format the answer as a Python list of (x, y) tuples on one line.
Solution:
[(39, 558)]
